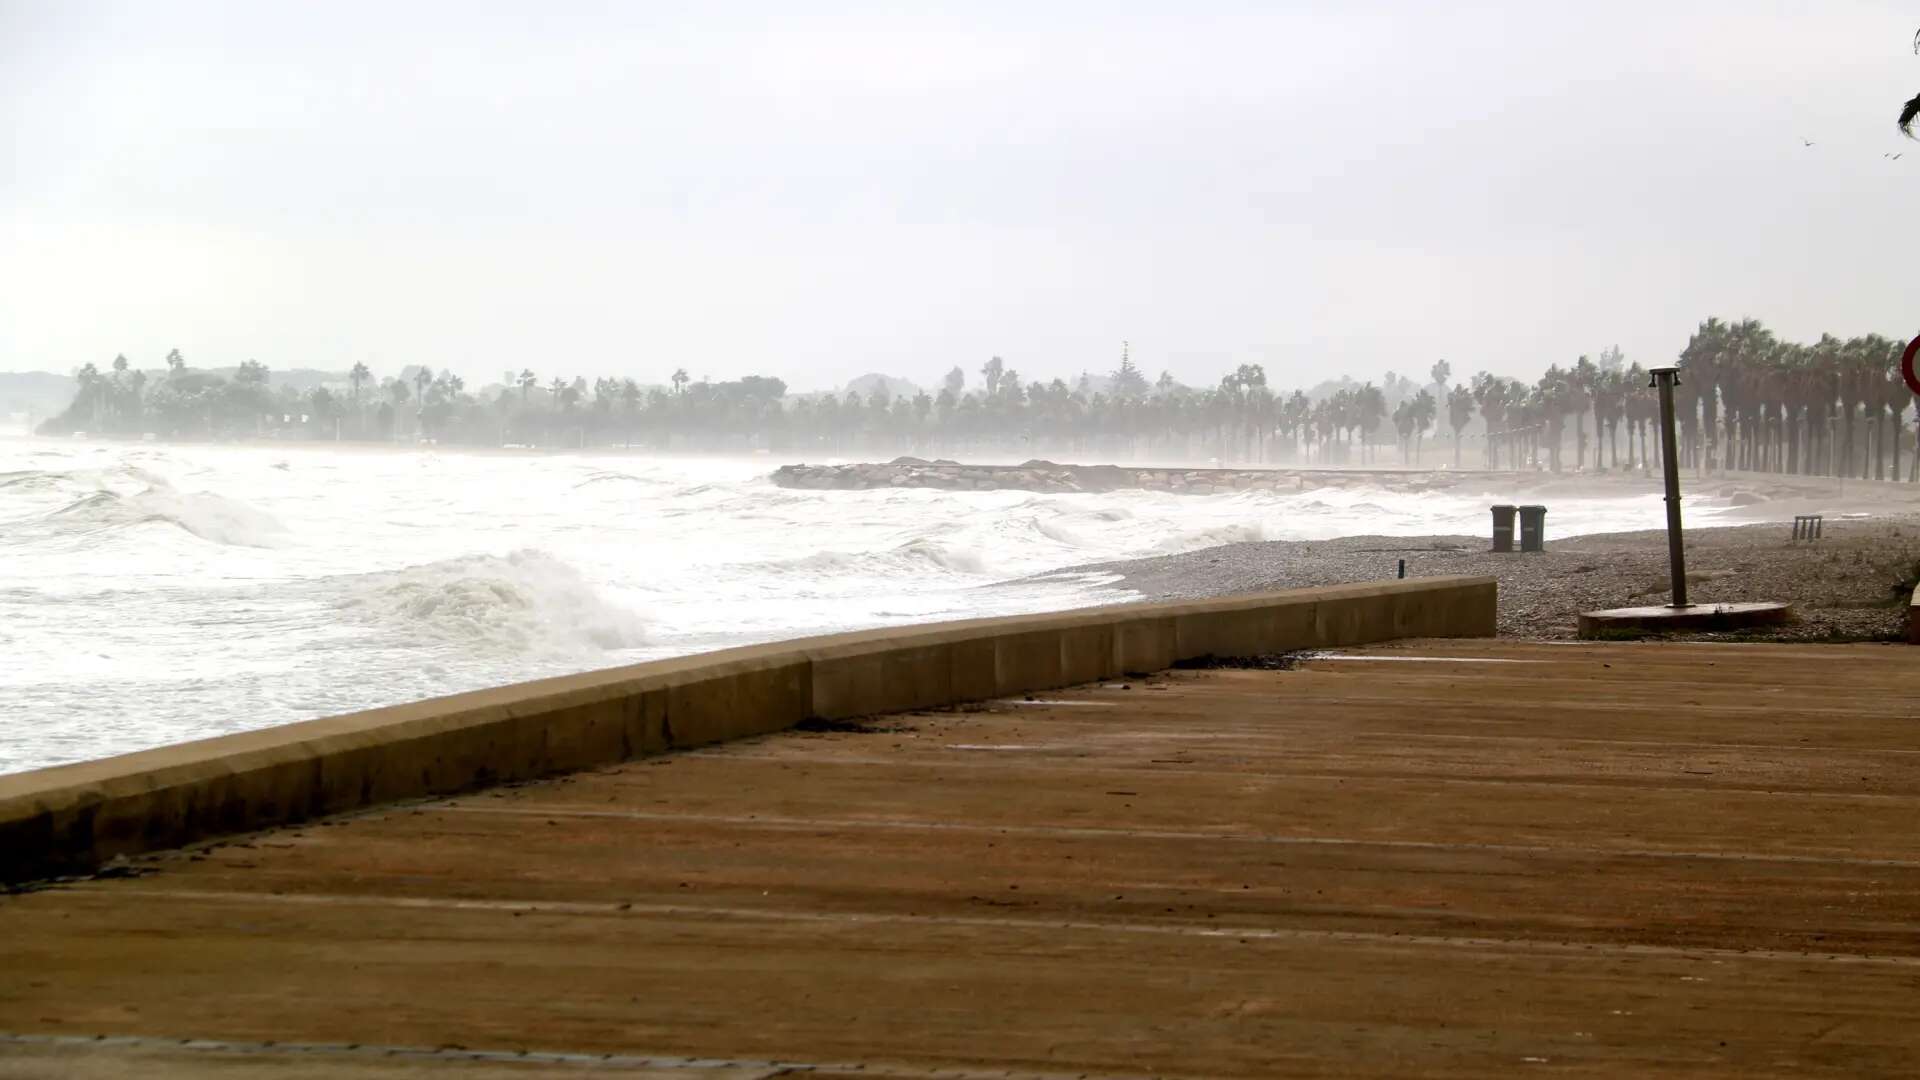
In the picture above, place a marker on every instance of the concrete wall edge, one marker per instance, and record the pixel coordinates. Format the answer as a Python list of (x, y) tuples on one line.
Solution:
[(69, 818)]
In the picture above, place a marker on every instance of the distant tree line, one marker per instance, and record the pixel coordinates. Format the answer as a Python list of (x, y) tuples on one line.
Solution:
[(1747, 400)]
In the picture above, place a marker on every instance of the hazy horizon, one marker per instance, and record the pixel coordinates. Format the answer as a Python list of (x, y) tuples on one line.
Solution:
[(1324, 189)]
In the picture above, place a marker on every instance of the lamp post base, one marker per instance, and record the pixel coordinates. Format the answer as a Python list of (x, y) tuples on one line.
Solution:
[(1691, 618)]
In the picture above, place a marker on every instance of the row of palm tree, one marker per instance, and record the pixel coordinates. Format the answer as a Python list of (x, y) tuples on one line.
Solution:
[(1747, 400)]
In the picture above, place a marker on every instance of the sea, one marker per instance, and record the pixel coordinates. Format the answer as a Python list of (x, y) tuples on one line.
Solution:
[(155, 593)]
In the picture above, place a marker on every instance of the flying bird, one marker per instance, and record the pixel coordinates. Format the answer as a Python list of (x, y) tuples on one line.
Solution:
[(1804, 141)]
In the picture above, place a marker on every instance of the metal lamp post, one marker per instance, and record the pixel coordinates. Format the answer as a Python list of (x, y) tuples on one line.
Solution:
[(1665, 379), (1678, 615)]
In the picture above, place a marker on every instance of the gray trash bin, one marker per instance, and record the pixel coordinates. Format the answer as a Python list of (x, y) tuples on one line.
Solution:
[(1533, 528), (1503, 528)]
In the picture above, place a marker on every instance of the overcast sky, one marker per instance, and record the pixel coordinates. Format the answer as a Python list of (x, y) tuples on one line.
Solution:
[(1317, 187)]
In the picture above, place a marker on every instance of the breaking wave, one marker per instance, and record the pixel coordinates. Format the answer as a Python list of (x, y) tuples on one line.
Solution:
[(81, 479), (956, 559), (913, 557), (524, 601), (211, 517), (1211, 537), (604, 476)]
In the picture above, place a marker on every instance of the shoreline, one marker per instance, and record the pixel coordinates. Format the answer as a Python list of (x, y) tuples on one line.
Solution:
[(1842, 587), (801, 458), (1754, 496)]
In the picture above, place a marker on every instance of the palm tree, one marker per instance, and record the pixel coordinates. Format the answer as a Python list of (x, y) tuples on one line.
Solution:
[(1895, 397), (1638, 407), (1294, 414), (1549, 399), (1824, 376), (1490, 393), (1854, 390), (679, 380), (630, 397), (1370, 410), (1580, 384), (1700, 364), (358, 375), (89, 379), (1403, 424), (1426, 408), (1797, 382), (1748, 344), (1459, 415), (1242, 390)]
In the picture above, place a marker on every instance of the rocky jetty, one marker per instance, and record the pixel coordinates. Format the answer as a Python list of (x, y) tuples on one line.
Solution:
[(1031, 476)]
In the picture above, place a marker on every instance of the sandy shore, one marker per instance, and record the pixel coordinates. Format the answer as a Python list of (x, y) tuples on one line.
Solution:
[(1843, 586)]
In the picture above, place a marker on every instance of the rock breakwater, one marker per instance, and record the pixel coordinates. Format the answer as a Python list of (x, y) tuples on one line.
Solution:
[(1036, 475)]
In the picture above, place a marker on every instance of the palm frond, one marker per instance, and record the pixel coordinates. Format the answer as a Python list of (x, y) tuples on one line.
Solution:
[(1907, 114)]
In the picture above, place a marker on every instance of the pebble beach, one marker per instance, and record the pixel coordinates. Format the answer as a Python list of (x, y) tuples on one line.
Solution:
[(1850, 585)]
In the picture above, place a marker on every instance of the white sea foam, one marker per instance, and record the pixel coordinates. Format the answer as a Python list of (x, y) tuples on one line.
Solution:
[(204, 514), (150, 594), (526, 601)]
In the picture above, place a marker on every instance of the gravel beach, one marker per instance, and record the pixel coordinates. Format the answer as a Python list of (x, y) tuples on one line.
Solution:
[(1845, 586)]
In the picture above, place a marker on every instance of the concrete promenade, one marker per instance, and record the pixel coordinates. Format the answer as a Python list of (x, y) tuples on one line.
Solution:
[(1453, 858)]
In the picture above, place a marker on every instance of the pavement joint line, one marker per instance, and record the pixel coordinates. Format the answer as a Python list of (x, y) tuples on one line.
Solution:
[(1064, 753), (1662, 744), (541, 1057), (1098, 832), (1591, 708), (981, 922), (1420, 659)]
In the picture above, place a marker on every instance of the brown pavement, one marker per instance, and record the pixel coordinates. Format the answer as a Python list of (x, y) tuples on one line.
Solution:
[(1435, 858)]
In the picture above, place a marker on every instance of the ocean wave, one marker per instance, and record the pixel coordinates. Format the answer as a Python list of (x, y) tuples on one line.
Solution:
[(525, 601), (604, 476), (83, 479), (956, 559), (1054, 532), (915, 557), (1194, 539), (210, 517), (813, 562)]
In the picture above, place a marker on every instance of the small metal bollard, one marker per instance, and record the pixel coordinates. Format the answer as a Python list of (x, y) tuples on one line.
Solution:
[(1503, 528), (1806, 527), (1533, 528)]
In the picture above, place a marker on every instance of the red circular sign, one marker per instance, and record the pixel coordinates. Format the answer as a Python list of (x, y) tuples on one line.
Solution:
[(1906, 365)]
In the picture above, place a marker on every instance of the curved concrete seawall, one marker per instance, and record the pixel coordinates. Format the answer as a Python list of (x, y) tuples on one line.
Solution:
[(71, 818)]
